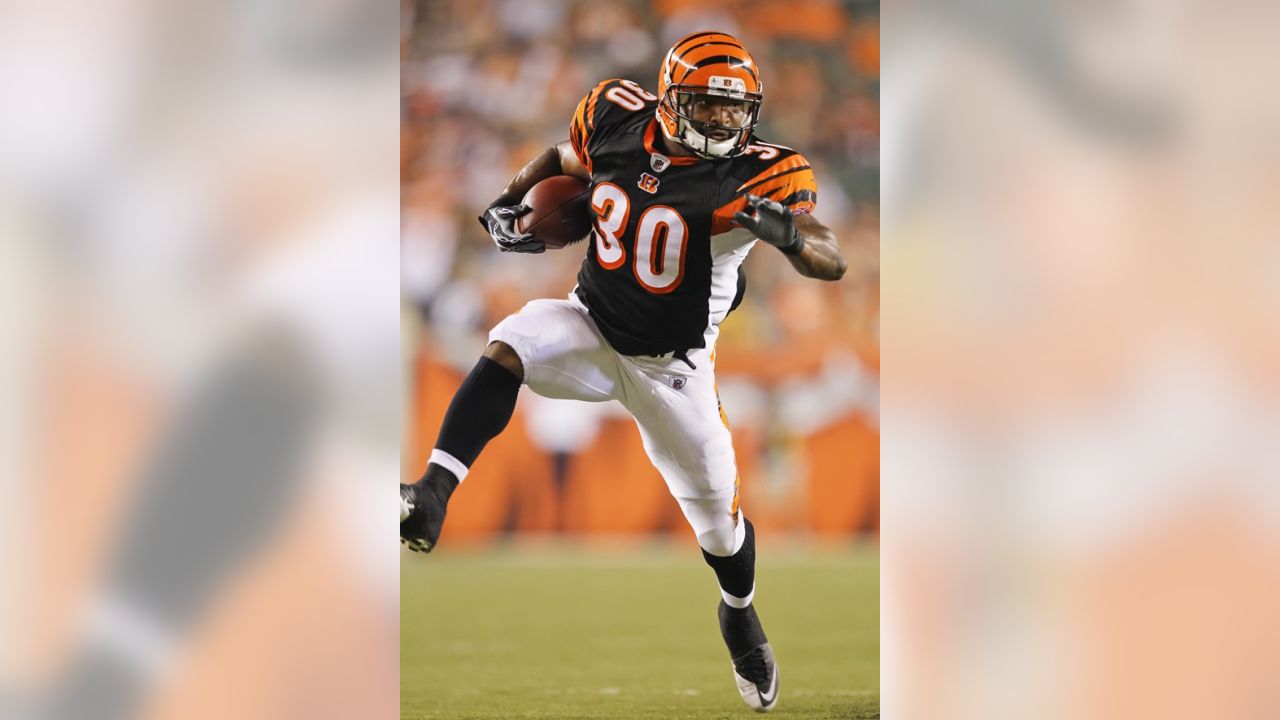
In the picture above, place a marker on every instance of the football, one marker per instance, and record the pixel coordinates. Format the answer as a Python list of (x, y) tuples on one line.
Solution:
[(560, 214)]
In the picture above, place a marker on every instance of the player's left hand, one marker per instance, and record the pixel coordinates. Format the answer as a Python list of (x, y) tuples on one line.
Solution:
[(770, 221)]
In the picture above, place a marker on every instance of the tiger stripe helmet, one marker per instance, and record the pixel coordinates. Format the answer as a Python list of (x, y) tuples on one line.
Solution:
[(709, 67)]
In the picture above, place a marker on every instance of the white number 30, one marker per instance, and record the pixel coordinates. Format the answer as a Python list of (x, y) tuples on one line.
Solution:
[(661, 235), (626, 96)]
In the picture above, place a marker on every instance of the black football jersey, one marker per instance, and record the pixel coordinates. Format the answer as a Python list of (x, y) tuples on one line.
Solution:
[(661, 271)]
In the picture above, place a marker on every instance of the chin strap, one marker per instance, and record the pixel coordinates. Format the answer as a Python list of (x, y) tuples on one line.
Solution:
[(692, 145), (707, 142)]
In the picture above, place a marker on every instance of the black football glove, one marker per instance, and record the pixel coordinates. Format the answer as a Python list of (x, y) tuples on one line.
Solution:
[(500, 222), (772, 223), (422, 507)]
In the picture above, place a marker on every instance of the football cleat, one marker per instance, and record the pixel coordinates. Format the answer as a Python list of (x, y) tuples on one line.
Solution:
[(410, 534), (422, 506), (756, 673), (754, 669)]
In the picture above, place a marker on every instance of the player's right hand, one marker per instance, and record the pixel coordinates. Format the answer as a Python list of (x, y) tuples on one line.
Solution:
[(500, 222)]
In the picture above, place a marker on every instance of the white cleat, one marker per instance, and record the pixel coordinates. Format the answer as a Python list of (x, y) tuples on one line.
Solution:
[(756, 674)]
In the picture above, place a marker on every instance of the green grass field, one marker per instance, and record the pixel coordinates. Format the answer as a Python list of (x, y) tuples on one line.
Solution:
[(571, 633)]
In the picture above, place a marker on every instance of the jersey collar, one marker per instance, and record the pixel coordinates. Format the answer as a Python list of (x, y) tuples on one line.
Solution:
[(650, 132)]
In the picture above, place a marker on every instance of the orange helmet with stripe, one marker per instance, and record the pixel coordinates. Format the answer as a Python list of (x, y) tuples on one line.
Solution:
[(709, 94)]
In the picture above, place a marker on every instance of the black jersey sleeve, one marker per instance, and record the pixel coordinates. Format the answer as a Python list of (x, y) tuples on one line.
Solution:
[(601, 111), (785, 176)]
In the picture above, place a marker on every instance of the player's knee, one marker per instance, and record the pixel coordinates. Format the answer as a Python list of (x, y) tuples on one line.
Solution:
[(721, 541), (505, 356)]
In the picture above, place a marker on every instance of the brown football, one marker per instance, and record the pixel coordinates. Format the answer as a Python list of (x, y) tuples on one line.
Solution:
[(561, 214)]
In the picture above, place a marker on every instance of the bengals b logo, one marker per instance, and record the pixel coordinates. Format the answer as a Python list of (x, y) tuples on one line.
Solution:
[(648, 183)]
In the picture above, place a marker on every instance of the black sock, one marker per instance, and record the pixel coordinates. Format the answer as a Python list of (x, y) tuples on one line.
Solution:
[(480, 410), (737, 573), (440, 481), (741, 629)]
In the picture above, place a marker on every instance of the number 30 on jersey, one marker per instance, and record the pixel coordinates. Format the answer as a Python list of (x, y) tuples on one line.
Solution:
[(658, 261)]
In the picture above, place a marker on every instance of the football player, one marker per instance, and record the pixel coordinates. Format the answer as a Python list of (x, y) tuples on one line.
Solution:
[(681, 190)]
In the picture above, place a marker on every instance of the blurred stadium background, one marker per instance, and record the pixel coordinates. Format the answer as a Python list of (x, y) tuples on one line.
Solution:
[(488, 84), (563, 519), (1080, 501)]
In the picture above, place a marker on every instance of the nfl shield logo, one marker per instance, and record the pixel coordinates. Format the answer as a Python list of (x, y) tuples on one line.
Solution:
[(677, 383), (658, 162)]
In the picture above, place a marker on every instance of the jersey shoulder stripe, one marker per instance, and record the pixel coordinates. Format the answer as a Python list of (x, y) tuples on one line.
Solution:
[(789, 179), (775, 172), (791, 163), (599, 113)]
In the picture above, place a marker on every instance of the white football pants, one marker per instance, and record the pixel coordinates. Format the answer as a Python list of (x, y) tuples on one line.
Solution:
[(675, 406)]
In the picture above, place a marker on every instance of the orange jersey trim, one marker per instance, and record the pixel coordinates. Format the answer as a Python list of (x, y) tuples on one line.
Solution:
[(649, 136), (591, 105), (722, 218), (795, 162)]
